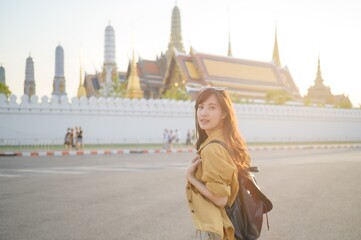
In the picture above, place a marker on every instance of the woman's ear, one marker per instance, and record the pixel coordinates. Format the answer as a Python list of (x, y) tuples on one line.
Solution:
[(224, 115)]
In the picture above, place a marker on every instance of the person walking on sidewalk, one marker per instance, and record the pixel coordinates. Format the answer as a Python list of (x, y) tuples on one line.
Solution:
[(188, 139), (80, 138), (171, 137), (67, 139), (212, 175)]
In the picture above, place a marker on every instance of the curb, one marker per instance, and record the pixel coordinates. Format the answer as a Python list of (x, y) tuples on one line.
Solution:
[(93, 152), (155, 151), (301, 147)]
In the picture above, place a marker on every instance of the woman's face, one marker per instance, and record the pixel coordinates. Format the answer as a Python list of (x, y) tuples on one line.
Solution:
[(209, 114)]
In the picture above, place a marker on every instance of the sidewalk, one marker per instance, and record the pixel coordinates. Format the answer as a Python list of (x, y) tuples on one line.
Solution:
[(295, 146)]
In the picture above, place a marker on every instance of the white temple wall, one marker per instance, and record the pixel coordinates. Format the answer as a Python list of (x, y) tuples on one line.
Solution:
[(106, 121)]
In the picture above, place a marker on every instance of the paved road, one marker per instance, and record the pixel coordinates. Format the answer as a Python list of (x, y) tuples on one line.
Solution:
[(316, 195)]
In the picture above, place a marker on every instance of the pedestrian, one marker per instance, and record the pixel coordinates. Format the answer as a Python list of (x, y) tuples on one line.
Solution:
[(76, 137), (177, 136), (188, 139), (212, 175), (165, 138), (71, 144), (80, 138), (68, 139), (171, 137)]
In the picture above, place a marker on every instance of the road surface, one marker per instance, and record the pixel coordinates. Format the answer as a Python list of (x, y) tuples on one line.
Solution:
[(316, 195)]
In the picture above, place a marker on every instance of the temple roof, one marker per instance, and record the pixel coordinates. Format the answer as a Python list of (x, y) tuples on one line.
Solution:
[(207, 69), (148, 67), (149, 72)]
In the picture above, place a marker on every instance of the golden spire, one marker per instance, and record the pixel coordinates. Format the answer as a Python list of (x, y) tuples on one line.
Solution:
[(276, 55), (229, 45), (176, 30), (133, 88), (81, 88), (319, 79), (229, 35)]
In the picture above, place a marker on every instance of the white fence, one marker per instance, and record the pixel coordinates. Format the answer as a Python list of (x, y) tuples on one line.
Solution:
[(109, 120)]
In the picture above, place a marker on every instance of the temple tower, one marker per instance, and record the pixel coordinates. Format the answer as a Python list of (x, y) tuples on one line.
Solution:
[(110, 66), (2, 75), (59, 79), (276, 55), (109, 53), (319, 79), (133, 87), (29, 83), (81, 88), (319, 93), (229, 46), (176, 33)]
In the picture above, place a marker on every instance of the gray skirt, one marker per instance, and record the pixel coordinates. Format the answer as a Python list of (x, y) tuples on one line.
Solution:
[(201, 235)]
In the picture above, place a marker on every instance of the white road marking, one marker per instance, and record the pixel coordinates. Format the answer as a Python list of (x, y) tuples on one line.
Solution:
[(48, 171), (9, 175), (78, 170), (109, 169)]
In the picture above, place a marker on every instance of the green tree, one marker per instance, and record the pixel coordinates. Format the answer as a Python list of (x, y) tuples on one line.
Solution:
[(176, 93), (117, 89), (235, 98), (278, 97), (4, 89), (120, 89), (307, 101)]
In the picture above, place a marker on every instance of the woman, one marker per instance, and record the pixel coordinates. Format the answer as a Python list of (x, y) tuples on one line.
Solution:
[(212, 174)]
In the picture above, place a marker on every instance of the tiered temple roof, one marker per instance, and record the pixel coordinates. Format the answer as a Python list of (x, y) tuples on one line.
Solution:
[(247, 78)]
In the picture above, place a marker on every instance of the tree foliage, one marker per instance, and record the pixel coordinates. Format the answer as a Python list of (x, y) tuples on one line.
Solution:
[(239, 99), (343, 102), (4, 89), (116, 89), (120, 89), (278, 97), (176, 93)]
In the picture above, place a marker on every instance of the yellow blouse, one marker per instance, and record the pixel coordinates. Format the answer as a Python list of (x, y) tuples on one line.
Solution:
[(219, 173)]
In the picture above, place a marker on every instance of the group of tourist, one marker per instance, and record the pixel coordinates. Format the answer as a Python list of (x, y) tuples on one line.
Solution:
[(74, 138), (171, 137)]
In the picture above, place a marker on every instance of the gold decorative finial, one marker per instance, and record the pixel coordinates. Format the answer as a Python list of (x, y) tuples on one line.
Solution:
[(229, 36), (81, 88), (133, 89), (276, 55), (319, 79), (229, 45)]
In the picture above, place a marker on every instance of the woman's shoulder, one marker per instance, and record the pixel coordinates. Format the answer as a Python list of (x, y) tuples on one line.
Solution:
[(217, 156), (216, 148)]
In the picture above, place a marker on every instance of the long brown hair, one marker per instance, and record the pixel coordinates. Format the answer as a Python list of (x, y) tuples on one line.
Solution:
[(234, 141)]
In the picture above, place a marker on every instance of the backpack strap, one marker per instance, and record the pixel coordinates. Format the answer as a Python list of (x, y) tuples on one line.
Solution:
[(221, 143)]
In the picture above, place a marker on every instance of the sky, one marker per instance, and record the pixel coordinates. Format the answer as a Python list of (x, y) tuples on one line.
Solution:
[(306, 29)]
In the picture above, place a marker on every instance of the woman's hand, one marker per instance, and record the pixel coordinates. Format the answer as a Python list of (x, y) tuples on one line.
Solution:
[(200, 186), (191, 169)]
